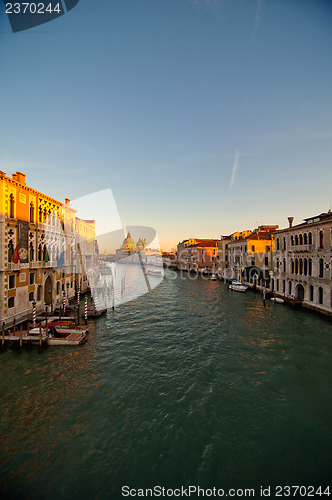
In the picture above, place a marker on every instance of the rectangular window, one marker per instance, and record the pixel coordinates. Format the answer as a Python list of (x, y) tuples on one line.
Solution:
[(31, 296), (266, 261), (11, 302), (32, 279), (252, 248), (11, 281)]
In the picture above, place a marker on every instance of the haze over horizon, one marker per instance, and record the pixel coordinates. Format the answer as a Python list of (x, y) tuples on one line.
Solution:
[(204, 117)]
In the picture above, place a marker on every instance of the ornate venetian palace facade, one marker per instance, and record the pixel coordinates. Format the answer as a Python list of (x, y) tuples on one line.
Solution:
[(40, 260), (303, 263)]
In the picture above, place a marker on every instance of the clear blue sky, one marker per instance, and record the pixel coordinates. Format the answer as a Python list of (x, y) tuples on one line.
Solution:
[(204, 117)]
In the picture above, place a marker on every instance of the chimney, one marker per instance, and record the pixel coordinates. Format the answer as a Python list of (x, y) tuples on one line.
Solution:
[(290, 220), (20, 177), (67, 201), (14, 177)]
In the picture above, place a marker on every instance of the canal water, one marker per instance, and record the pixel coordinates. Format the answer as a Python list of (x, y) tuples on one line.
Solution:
[(190, 384)]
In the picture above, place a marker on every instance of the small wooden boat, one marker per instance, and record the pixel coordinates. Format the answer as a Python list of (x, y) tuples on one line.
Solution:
[(65, 327), (57, 338), (70, 339), (213, 277), (92, 313)]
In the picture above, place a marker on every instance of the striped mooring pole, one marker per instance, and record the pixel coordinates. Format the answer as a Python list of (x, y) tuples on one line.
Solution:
[(64, 302), (78, 294), (86, 310), (34, 313)]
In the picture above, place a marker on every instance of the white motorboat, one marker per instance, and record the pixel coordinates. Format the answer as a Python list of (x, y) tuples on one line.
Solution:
[(213, 277), (237, 286), (154, 272), (277, 300)]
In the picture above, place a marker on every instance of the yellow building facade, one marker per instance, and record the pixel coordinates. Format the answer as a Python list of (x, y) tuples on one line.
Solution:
[(38, 239)]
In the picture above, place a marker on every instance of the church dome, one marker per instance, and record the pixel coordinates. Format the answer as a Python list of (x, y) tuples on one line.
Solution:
[(128, 242)]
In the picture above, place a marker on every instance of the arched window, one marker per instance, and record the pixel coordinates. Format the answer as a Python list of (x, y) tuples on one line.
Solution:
[(301, 267), (311, 293), (44, 252), (11, 206), (310, 238), (32, 212), (321, 268), (305, 271), (10, 250), (296, 266), (296, 239), (310, 267), (321, 239), (289, 288), (284, 243), (320, 295), (58, 287), (301, 239), (31, 252), (292, 240), (305, 239), (40, 252), (293, 268), (39, 293), (284, 265), (40, 215)]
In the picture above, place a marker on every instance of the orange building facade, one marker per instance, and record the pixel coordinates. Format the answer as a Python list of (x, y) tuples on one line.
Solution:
[(198, 254)]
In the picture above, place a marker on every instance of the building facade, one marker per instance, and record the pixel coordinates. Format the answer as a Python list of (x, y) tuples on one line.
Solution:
[(303, 263), (38, 239), (198, 255), (247, 255)]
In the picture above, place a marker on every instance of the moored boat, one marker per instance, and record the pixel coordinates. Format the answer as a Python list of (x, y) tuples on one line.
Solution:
[(57, 338), (66, 327), (154, 272), (237, 286), (277, 300), (71, 339), (213, 277)]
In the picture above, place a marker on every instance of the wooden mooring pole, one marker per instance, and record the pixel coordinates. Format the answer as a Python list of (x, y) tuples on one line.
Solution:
[(40, 339), (21, 335), (3, 337)]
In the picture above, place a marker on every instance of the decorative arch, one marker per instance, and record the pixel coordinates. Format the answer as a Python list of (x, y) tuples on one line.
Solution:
[(299, 292), (48, 290)]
